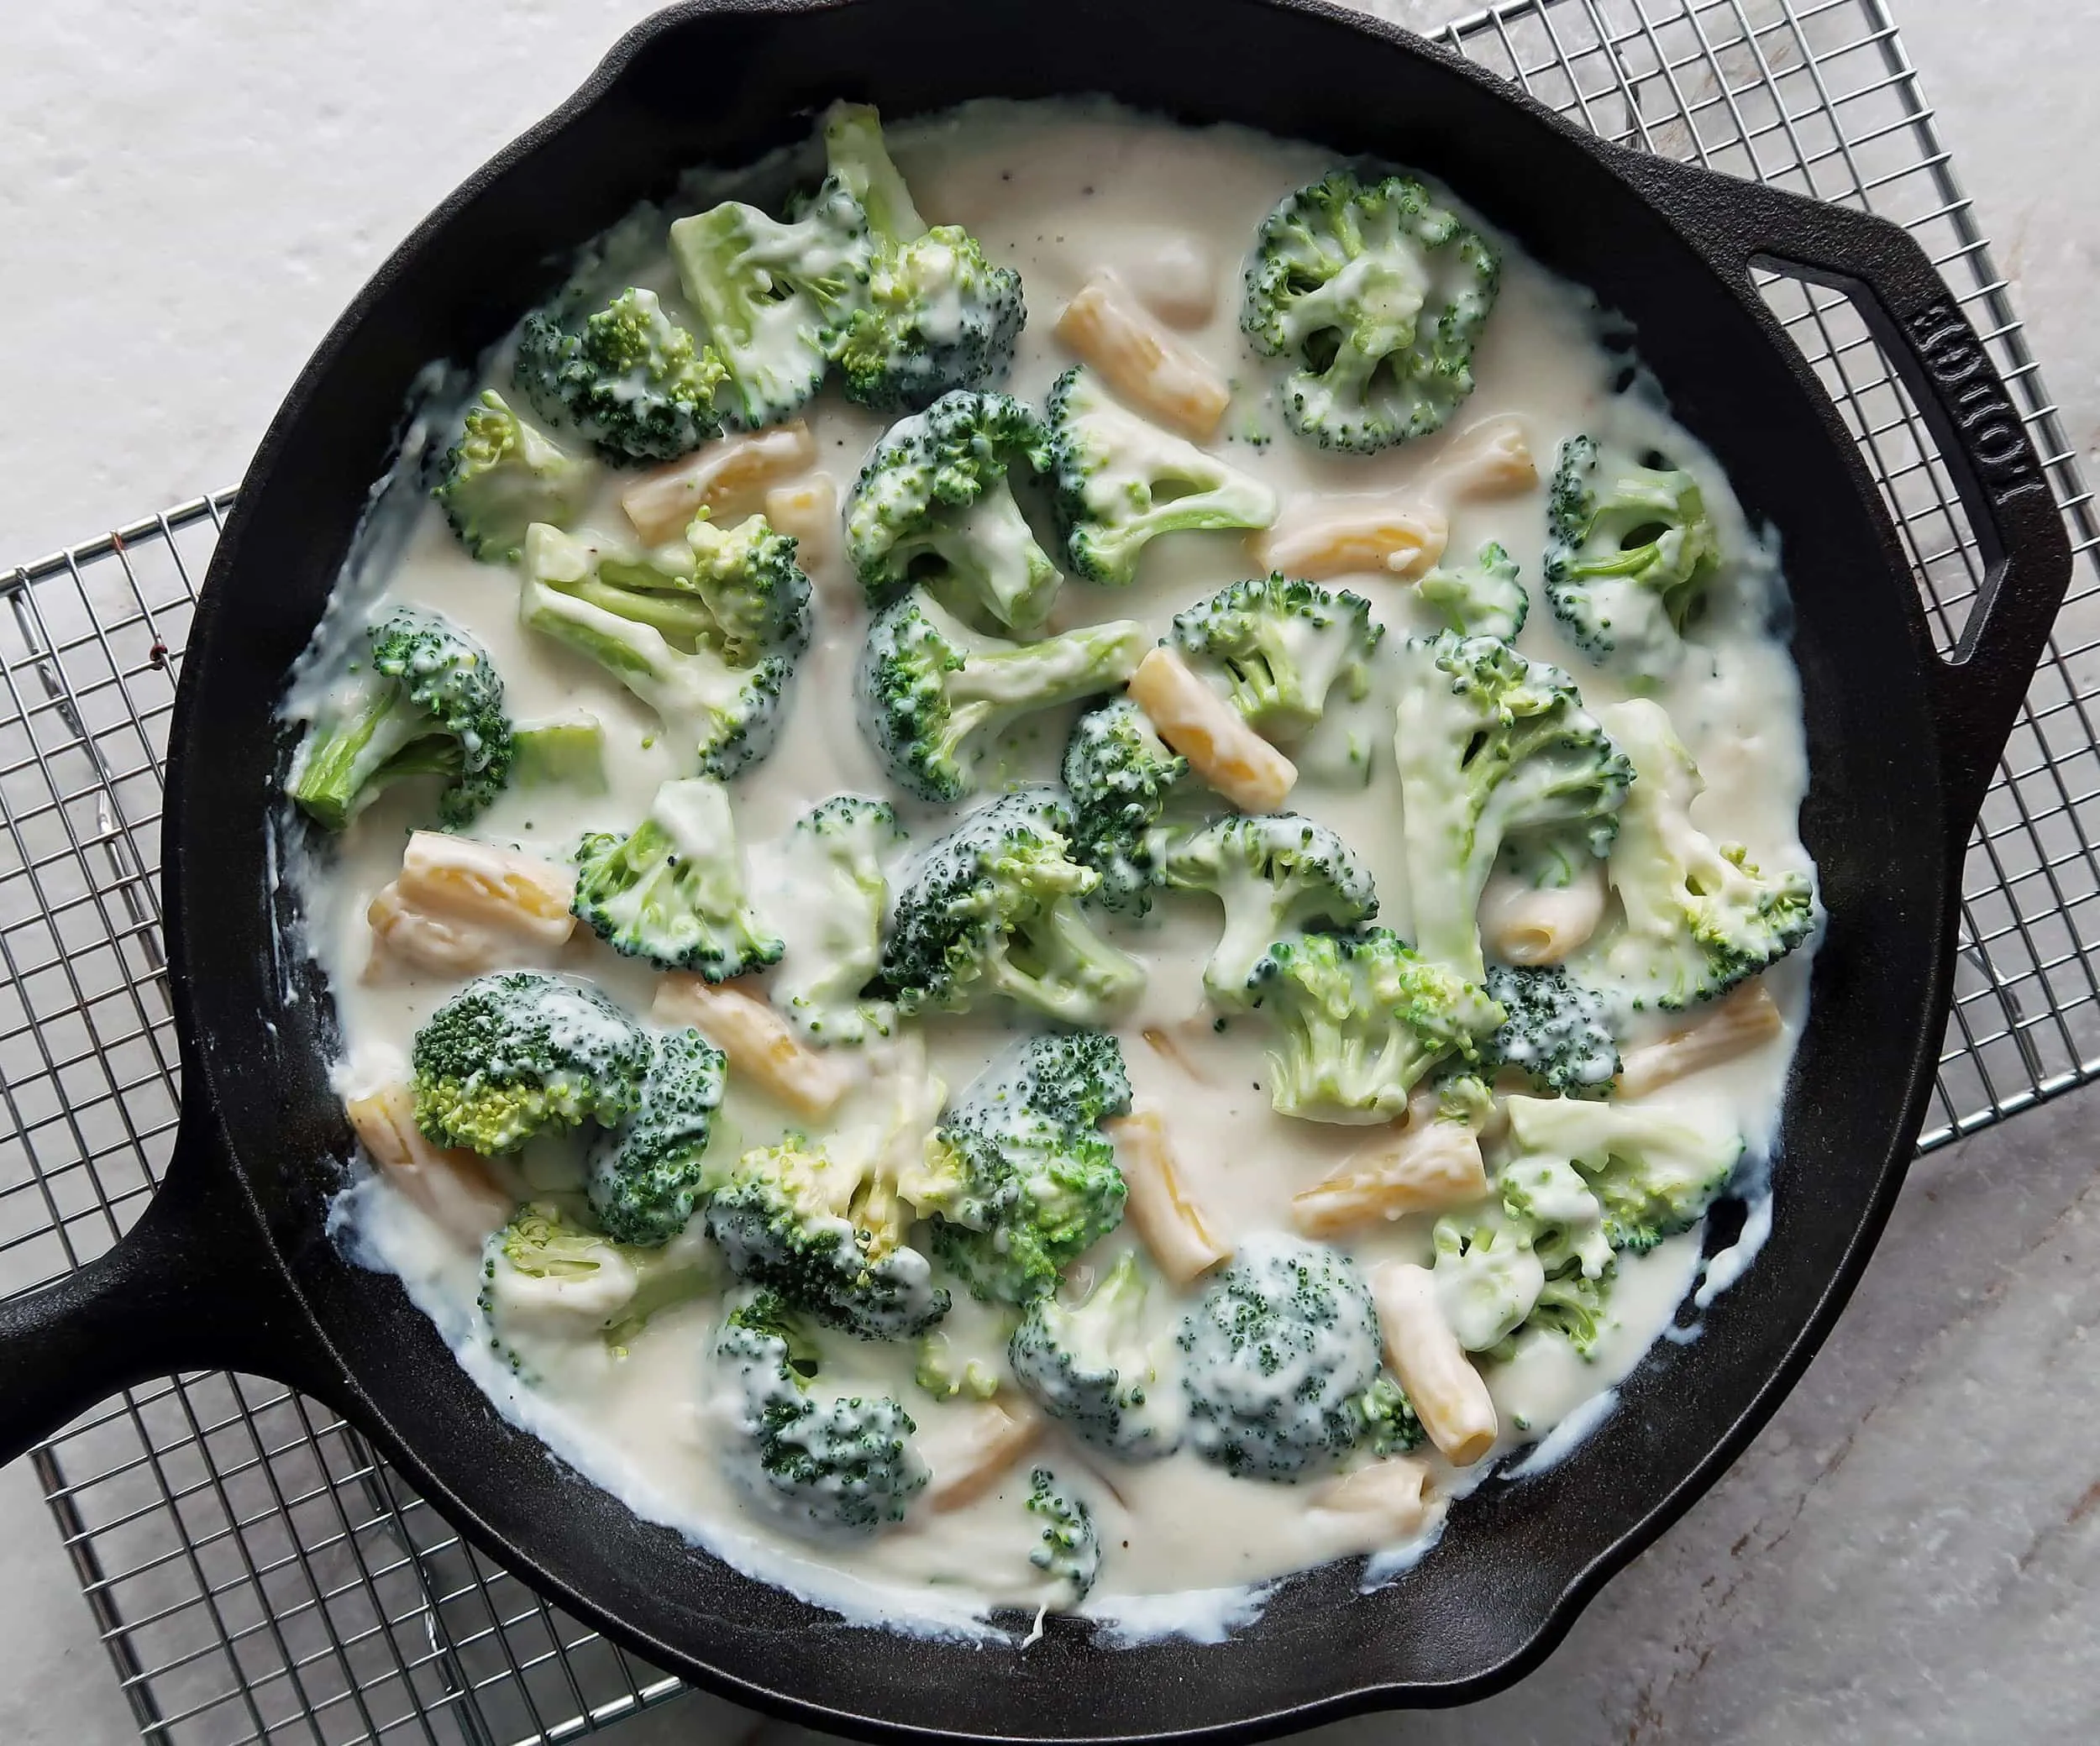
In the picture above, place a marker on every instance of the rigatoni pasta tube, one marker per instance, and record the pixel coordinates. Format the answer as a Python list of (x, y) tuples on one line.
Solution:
[(1740, 1023), (1354, 535), (461, 907), (1170, 1224), (456, 1189), (1207, 731), (1448, 1394), (757, 1040), (1492, 459), (1111, 330), (1000, 1432), (1424, 1166), (1393, 1493), (725, 478), (807, 511), (1521, 923)]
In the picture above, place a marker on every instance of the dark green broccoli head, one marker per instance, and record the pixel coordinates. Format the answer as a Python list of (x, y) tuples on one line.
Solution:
[(1281, 646), (1496, 753), (632, 382), (1361, 1019), (1631, 552), (933, 505), (992, 908), (1019, 1179), (844, 1463), (753, 589), (1067, 1548), (502, 475), (672, 890), (1374, 296), (649, 1176), (1120, 774), (1486, 601), (509, 1055), (428, 701), (823, 1225), (1122, 483), (935, 695), (1095, 1366), (1280, 1363), (1555, 1034), (1277, 874), (938, 315)]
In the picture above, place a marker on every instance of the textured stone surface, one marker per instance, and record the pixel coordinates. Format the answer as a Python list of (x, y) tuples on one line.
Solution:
[(1910, 1553)]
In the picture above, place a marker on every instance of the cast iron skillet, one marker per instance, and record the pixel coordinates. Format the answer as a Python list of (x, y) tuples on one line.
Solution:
[(229, 1267)]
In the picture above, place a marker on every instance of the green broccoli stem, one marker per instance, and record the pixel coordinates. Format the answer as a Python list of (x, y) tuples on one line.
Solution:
[(855, 154), (1060, 967), (990, 549), (1001, 685), (336, 774), (684, 620)]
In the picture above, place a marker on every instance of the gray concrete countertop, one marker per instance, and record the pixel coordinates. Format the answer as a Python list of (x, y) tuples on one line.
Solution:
[(1909, 1553)]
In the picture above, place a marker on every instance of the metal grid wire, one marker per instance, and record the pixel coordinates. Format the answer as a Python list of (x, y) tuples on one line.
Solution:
[(255, 1572)]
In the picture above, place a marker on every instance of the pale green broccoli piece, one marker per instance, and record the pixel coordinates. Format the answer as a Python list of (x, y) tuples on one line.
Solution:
[(1093, 1365), (1493, 750), (426, 701), (1019, 1179), (1374, 296), (1565, 1219), (502, 475), (1067, 1548), (847, 1462), (1280, 1364), (1697, 917), (1630, 553), (934, 695), (511, 1055), (992, 910), (1555, 1034), (568, 751), (1122, 483), (647, 1177), (933, 505), (672, 890), (1119, 775), (632, 382), (947, 1372), (710, 648), (1486, 601), (1654, 1168), (1278, 876), (938, 315), (829, 915), (1278, 647), (1485, 1277), (1361, 1019)]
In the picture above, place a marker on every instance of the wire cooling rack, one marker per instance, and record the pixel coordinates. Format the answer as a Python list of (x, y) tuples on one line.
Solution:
[(256, 1573)]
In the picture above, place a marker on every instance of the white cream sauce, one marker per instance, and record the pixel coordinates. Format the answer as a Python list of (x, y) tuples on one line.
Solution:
[(1061, 192)]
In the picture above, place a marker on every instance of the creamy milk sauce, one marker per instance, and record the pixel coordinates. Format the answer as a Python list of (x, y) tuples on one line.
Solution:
[(1061, 192)]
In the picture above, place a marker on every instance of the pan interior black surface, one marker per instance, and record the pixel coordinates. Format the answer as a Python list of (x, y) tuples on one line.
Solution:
[(1887, 813)]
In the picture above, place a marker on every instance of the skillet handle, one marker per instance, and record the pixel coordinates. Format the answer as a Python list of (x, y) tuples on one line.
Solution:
[(1976, 691), (195, 1285)]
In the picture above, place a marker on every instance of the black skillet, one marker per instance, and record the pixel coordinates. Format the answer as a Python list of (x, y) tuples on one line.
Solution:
[(229, 1267)]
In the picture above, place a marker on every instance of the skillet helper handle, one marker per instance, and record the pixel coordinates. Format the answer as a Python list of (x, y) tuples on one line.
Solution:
[(1908, 307), (193, 1286)]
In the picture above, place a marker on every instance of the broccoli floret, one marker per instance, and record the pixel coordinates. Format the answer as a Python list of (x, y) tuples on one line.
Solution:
[(1280, 1363), (1654, 1168), (772, 295), (1565, 1219), (1572, 1305), (1120, 774), (1374, 295), (1067, 1547), (672, 890), (1280, 646), (647, 1177), (1492, 750), (629, 379), (1555, 1034), (1121, 482), (1486, 1276), (1019, 1179), (547, 1280), (509, 1055), (824, 1225), (1361, 1019), (947, 1372), (844, 1463), (992, 909), (935, 693), (1277, 875), (1698, 916), (428, 701), (569, 750), (1630, 554), (933, 505), (502, 475), (1092, 1366), (1486, 601), (831, 916), (685, 642), (1391, 1425), (938, 315)]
